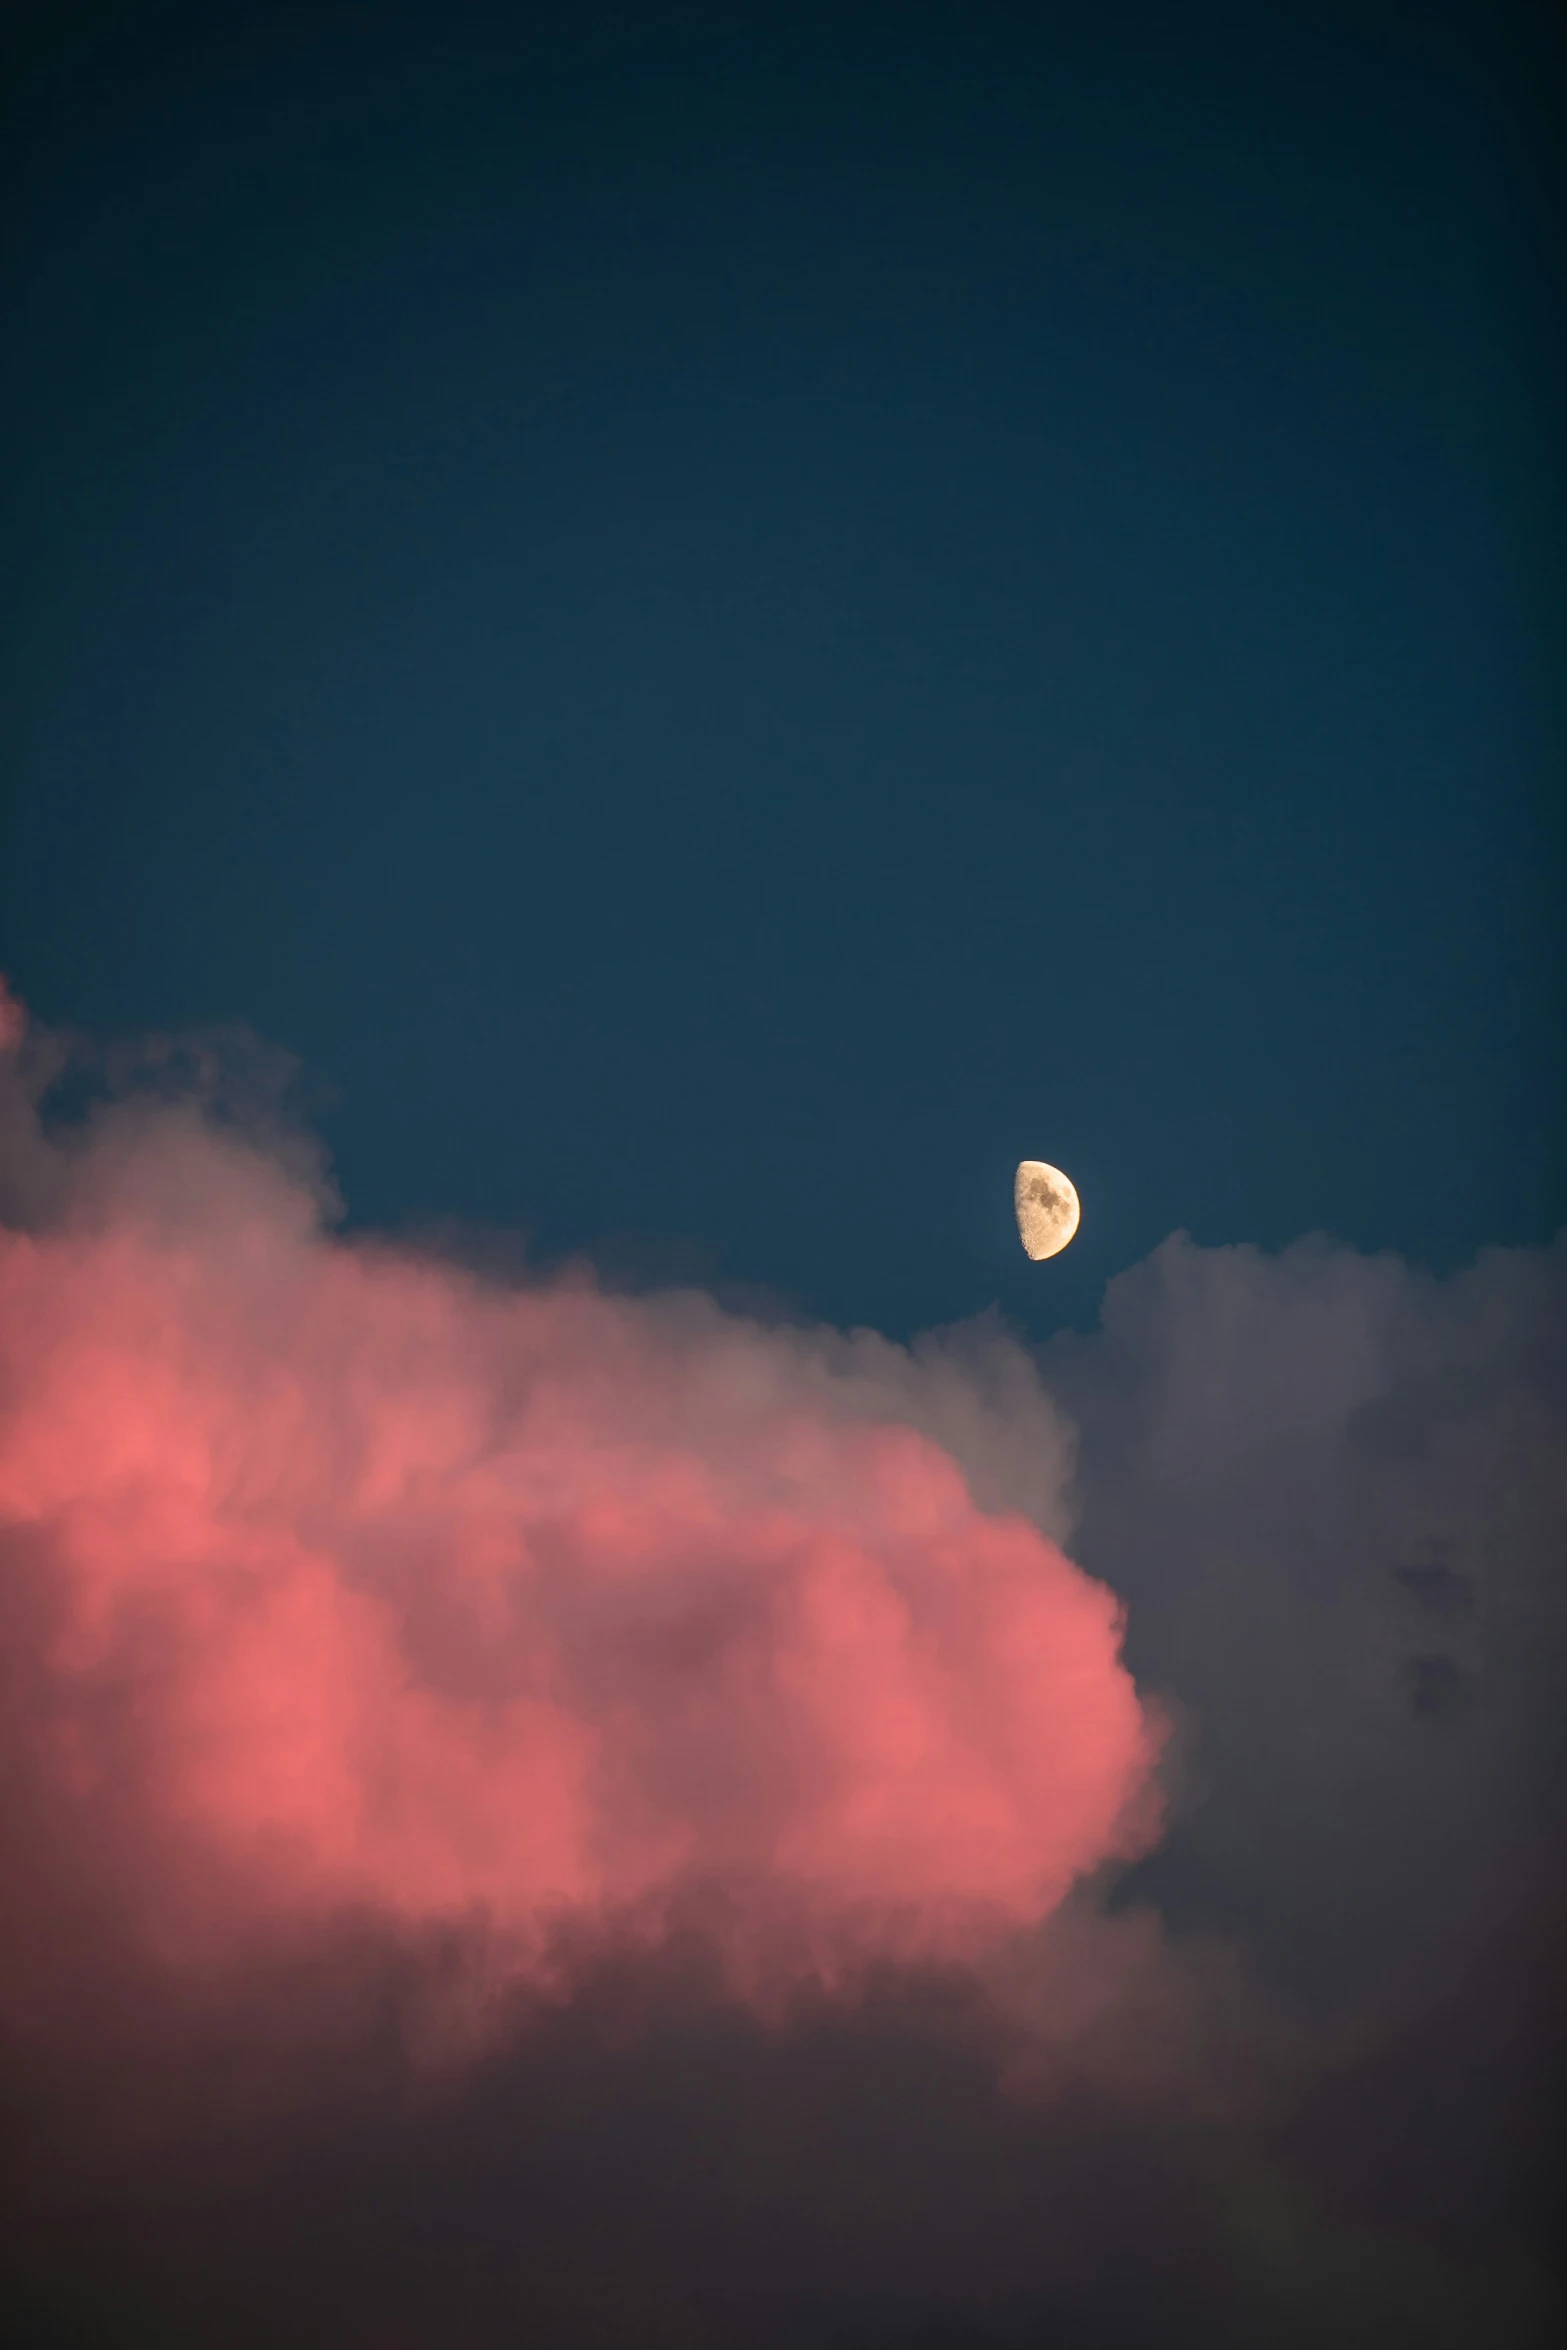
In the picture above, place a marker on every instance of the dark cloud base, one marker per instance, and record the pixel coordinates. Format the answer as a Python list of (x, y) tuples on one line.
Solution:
[(651, 2168)]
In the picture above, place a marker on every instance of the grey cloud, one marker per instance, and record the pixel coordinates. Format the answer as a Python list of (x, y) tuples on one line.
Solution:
[(1331, 1489)]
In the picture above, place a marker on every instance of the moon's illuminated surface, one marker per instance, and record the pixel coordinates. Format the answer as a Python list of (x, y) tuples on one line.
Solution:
[(1047, 1209)]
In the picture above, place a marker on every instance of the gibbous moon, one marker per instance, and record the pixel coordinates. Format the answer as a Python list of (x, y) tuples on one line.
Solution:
[(1047, 1209)]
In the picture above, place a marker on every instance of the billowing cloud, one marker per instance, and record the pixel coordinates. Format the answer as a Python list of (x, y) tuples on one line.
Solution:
[(1333, 1491), (701, 1729), (353, 1582)]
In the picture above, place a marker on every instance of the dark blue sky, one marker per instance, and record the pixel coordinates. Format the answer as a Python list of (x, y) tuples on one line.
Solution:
[(729, 620)]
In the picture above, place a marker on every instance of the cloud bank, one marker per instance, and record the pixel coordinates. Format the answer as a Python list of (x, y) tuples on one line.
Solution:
[(532, 1814)]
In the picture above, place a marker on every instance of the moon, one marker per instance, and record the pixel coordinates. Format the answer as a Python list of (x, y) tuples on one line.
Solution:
[(1047, 1209)]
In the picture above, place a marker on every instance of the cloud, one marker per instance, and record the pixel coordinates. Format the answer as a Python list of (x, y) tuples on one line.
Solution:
[(1331, 1490), (349, 1581), (534, 1814)]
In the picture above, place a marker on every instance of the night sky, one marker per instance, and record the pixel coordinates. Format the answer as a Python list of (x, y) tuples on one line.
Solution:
[(681, 632)]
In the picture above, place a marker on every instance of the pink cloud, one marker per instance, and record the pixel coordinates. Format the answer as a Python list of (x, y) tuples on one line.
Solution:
[(357, 1584)]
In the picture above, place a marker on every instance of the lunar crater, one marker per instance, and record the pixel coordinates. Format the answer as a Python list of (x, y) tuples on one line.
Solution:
[(1048, 1210)]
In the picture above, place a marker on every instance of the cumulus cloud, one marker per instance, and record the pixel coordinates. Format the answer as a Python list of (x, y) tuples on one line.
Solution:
[(535, 1814), (1333, 1492), (350, 1581)]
